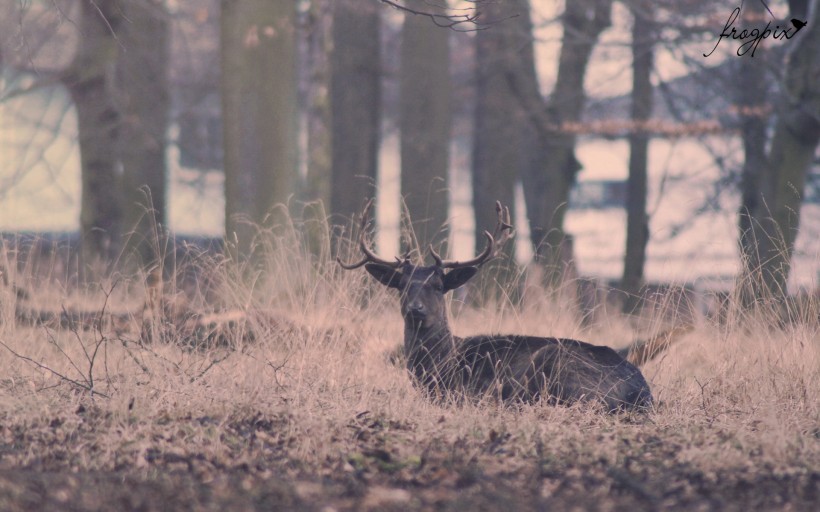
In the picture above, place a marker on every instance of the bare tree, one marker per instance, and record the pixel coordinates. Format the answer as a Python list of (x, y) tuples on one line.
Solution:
[(583, 21), (258, 113), (318, 45), (117, 82), (774, 184), (499, 125), (91, 82), (144, 95), (355, 98), (637, 222), (425, 122), (751, 92), (7, 28)]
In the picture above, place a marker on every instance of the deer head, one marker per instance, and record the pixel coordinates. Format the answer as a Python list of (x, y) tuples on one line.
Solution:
[(422, 287)]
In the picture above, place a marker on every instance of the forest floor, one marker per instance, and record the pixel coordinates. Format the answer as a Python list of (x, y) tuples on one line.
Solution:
[(382, 464)]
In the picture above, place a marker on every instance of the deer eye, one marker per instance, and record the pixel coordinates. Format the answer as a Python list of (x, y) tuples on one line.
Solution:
[(439, 287)]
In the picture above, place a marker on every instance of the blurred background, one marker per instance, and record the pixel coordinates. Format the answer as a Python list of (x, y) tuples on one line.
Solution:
[(635, 145)]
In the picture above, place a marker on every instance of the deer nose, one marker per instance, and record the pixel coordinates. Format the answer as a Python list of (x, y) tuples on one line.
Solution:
[(416, 307)]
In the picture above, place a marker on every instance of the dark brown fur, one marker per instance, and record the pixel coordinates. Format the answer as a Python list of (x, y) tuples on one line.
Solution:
[(507, 367)]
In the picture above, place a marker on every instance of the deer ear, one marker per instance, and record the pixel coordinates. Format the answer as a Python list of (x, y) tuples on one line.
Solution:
[(388, 276), (457, 277)]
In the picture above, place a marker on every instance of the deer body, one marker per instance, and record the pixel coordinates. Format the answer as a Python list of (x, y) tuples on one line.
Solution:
[(506, 367)]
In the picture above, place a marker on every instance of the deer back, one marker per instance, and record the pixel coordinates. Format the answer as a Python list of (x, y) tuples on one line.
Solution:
[(560, 371)]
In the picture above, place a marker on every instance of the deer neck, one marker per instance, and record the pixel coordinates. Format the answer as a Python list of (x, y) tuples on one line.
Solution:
[(427, 346)]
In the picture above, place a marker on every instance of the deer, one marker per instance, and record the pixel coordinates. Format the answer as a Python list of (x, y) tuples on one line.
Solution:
[(509, 368)]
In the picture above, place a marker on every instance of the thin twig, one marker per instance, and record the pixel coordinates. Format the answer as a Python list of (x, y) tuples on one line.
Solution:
[(213, 363), (53, 341), (139, 363), (57, 374)]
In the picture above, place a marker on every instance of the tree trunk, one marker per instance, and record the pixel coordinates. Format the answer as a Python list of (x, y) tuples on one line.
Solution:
[(499, 130), (751, 95), (238, 188), (259, 114), (425, 121), (776, 218), (316, 191), (583, 22), (355, 97), (319, 46), (8, 29), (90, 80), (637, 222), (145, 98)]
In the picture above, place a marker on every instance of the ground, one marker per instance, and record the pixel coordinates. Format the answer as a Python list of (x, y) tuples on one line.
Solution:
[(251, 462)]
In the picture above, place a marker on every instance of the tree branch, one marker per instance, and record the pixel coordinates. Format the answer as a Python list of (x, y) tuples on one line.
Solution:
[(452, 21)]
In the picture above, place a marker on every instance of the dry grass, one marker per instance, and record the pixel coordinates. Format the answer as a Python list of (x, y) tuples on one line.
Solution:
[(315, 416)]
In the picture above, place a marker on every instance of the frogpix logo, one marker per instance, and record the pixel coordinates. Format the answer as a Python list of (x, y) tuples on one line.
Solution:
[(752, 38)]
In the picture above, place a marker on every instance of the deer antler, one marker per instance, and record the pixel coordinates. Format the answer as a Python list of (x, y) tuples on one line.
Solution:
[(369, 256), (503, 232)]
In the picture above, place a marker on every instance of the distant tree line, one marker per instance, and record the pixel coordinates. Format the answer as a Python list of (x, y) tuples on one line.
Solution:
[(317, 67)]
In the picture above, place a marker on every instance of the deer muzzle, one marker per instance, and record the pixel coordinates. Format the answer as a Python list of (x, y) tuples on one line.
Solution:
[(415, 308)]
